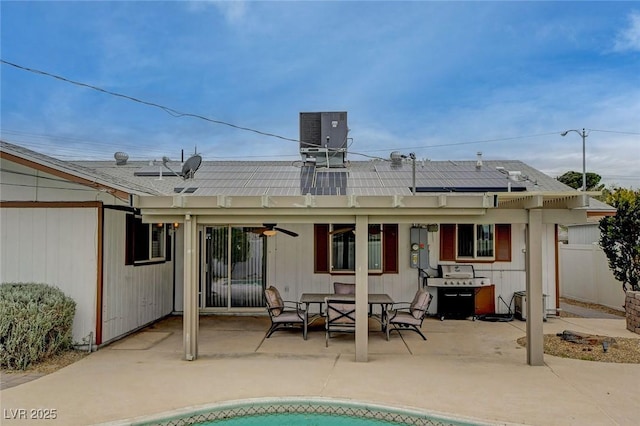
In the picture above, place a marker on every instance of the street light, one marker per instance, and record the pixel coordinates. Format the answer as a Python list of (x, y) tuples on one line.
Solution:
[(584, 160)]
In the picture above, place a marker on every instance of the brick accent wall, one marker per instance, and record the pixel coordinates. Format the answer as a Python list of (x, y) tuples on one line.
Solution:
[(632, 307)]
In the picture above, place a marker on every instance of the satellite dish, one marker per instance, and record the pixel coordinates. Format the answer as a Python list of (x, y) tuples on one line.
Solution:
[(190, 166)]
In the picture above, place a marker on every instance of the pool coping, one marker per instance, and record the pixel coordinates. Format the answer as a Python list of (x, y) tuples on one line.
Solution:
[(318, 405)]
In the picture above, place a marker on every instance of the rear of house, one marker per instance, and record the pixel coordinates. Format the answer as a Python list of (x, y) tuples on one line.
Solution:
[(111, 234)]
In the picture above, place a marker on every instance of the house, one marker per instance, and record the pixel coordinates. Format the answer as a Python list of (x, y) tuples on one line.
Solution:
[(132, 242), (73, 227)]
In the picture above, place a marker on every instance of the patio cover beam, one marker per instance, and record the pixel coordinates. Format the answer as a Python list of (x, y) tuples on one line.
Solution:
[(362, 289), (190, 319), (242, 217), (520, 200), (535, 338)]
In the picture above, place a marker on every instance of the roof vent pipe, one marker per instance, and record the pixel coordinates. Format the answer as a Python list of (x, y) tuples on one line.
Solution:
[(121, 158), (396, 158), (479, 161)]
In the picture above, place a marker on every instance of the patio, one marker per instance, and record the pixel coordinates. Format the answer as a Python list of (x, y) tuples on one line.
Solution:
[(469, 369)]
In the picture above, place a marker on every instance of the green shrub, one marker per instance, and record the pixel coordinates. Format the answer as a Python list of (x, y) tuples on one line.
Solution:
[(35, 322)]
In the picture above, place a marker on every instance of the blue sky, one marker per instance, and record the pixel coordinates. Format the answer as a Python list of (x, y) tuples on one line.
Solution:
[(441, 79)]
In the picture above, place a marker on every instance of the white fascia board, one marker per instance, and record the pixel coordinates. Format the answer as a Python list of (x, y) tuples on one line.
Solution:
[(471, 201)]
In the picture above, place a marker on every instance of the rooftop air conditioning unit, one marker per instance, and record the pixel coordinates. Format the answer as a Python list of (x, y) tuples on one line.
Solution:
[(323, 138)]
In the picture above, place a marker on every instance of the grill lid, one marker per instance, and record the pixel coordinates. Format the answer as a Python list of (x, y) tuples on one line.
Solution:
[(456, 271)]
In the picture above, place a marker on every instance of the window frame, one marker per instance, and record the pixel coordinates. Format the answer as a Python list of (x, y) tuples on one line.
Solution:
[(472, 238), (323, 250), (140, 238), (373, 230), (449, 243)]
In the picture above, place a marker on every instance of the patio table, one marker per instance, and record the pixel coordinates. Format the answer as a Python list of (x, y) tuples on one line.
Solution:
[(382, 299)]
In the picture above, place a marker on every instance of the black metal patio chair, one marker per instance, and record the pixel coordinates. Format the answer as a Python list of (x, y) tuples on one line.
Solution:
[(408, 317), (284, 314), (341, 316)]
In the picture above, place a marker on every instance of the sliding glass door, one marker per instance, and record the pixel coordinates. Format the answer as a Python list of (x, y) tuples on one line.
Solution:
[(234, 267)]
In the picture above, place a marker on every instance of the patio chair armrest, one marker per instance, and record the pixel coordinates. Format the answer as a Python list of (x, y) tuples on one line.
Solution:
[(293, 304), (399, 306), (394, 309)]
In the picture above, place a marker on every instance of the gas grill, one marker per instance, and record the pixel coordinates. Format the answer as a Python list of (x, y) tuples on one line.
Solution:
[(457, 285), (457, 276)]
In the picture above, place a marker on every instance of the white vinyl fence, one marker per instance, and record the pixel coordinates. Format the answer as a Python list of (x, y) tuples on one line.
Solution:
[(585, 276)]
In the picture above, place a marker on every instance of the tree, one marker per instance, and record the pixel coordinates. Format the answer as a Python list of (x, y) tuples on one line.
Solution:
[(574, 180), (620, 237)]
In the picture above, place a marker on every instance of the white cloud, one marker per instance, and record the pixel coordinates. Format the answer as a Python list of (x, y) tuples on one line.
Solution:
[(628, 39), (233, 11)]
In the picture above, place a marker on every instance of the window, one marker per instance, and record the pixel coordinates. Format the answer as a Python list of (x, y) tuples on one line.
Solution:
[(145, 242), (337, 244), (480, 242)]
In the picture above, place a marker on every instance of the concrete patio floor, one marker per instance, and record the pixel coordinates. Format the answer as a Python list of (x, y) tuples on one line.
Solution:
[(468, 369)]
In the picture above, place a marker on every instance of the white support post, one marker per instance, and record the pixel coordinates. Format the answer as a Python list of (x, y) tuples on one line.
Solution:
[(190, 313), (362, 288), (535, 337)]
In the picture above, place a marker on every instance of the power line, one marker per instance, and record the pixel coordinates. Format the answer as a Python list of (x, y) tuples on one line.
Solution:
[(473, 142), (176, 113), (614, 131), (168, 110)]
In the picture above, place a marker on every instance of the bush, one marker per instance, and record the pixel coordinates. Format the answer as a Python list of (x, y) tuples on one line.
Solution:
[(35, 322)]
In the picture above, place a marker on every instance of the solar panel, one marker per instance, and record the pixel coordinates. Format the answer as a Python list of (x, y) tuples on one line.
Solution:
[(334, 182), (306, 179), (189, 190)]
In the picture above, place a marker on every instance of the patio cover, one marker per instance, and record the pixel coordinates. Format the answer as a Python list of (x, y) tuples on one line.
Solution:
[(531, 208)]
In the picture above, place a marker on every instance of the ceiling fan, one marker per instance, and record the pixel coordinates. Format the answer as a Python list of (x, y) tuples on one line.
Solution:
[(374, 230), (269, 229)]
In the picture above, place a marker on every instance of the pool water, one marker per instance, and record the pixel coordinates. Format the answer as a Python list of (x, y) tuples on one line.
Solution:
[(298, 419)]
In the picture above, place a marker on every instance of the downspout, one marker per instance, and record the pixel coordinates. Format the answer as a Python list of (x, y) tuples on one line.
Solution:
[(557, 254), (100, 274)]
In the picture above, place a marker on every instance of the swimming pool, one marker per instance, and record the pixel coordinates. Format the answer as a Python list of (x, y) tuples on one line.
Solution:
[(302, 411)]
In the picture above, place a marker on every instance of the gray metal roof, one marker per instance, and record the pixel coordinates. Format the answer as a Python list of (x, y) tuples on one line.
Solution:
[(292, 178), (76, 169), (357, 178)]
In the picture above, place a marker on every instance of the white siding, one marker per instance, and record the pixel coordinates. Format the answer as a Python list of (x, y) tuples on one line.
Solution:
[(290, 264), (132, 295), (585, 276), (56, 246), (583, 234), (22, 183), (59, 246), (290, 267)]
